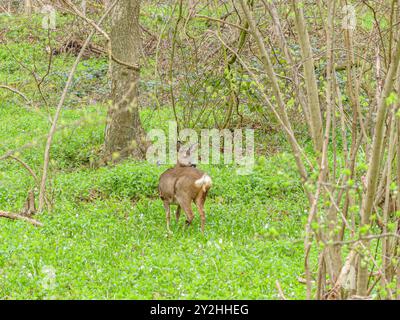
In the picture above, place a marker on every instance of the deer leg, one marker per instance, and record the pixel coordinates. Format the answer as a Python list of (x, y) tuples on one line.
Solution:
[(200, 206), (187, 208), (178, 213), (167, 213)]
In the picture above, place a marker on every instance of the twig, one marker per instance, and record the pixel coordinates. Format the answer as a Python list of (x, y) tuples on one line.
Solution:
[(366, 238), (221, 21), (27, 167), (17, 92), (280, 291)]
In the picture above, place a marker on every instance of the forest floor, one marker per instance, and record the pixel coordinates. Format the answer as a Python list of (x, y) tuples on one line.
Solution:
[(105, 237)]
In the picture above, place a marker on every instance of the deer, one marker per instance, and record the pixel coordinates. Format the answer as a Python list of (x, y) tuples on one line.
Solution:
[(183, 184)]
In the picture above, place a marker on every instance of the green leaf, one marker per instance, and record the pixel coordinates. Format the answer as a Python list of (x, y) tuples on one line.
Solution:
[(391, 99)]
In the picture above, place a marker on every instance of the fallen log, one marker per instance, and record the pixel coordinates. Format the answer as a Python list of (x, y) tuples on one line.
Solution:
[(15, 216)]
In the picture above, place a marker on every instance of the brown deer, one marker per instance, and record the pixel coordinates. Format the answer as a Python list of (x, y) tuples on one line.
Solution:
[(183, 184)]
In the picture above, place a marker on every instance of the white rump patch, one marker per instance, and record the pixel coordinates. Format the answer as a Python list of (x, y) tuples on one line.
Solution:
[(205, 182)]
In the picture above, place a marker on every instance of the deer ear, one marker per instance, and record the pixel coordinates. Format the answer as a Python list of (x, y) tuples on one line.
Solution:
[(192, 148)]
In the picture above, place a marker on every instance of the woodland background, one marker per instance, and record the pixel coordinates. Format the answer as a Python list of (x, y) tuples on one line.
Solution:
[(318, 81)]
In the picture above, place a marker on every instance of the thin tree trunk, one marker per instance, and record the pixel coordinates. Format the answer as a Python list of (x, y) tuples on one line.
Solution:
[(386, 254), (373, 169), (397, 242), (332, 258), (310, 78)]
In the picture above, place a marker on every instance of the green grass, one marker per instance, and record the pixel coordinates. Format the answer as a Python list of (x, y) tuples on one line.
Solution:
[(105, 237)]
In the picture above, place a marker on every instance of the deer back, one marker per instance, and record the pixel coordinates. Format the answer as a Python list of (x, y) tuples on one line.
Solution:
[(180, 180)]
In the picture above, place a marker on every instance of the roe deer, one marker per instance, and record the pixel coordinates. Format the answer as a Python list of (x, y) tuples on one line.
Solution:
[(183, 184)]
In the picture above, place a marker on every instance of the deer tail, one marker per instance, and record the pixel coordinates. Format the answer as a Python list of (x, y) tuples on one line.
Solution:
[(204, 182)]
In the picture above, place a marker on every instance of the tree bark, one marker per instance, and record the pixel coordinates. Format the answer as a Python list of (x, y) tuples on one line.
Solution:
[(124, 134), (28, 7)]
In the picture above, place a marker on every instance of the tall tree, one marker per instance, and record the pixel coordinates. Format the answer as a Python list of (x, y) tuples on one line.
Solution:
[(124, 134)]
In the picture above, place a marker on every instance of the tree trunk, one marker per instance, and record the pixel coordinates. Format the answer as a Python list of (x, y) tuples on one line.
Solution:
[(124, 134), (28, 7)]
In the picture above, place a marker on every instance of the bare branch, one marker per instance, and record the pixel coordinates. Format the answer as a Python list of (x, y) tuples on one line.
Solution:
[(14, 216)]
